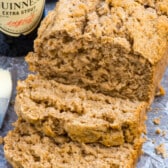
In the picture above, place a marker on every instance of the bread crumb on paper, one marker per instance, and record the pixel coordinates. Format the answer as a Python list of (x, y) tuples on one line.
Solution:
[(160, 150), (163, 133), (156, 121), (158, 131)]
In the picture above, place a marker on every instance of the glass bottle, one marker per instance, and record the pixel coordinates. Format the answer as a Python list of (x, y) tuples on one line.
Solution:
[(19, 21)]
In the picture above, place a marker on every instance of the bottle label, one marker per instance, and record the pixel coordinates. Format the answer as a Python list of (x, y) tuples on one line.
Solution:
[(20, 16)]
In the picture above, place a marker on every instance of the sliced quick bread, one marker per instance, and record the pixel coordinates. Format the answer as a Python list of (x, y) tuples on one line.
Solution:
[(25, 147), (58, 109)]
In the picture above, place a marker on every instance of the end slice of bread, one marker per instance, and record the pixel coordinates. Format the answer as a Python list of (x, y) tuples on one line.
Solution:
[(27, 148)]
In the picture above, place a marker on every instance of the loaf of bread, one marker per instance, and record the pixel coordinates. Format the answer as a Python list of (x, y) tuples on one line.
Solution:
[(27, 148), (98, 64), (59, 109), (118, 48)]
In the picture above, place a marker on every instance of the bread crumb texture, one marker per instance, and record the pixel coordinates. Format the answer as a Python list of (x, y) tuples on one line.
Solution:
[(118, 48), (25, 147), (59, 109)]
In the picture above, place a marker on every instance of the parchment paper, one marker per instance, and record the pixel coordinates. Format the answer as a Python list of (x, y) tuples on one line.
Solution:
[(159, 109)]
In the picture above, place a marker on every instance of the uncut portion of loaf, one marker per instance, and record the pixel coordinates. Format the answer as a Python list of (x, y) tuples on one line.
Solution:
[(59, 109), (27, 148), (118, 48)]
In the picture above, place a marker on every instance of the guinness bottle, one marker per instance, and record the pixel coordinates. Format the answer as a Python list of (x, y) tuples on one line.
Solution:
[(19, 21)]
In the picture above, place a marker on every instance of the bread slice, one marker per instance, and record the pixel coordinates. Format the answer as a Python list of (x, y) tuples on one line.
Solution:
[(118, 48), (58, 109), (27, 148)]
